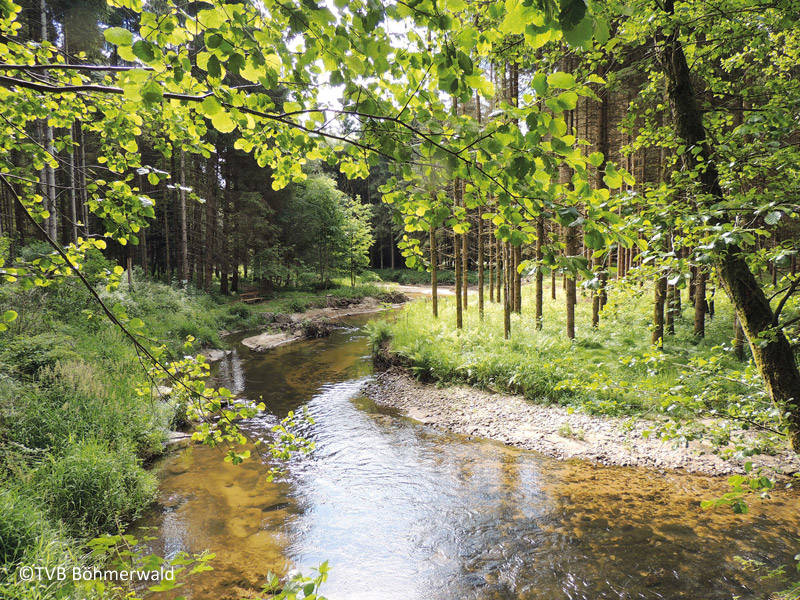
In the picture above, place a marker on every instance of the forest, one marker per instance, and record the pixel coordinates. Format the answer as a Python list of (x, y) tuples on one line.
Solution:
[(417, 298)]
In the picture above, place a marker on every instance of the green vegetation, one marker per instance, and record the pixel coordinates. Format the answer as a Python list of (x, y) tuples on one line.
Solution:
[(290, 301), (415, 277), (209, 145), (611, 369), (77, 419), (78, 422)]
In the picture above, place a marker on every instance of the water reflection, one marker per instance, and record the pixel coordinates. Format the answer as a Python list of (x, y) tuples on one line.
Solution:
[(401, 511)]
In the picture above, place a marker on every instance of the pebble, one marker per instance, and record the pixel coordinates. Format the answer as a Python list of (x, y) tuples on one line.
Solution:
[(515, 421)]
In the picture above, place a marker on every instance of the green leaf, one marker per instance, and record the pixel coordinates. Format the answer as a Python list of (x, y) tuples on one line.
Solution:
[(568, 100), (594, 239), (612, 178), (210, 106), (222, 122), (572, 12), (539, 83), (118, 36), (152, 92), (144, 50), (773, 217), (596, 158), (211, 18), (518, 16), (561, 80), (213, 67), (9, 316), (581, 33)]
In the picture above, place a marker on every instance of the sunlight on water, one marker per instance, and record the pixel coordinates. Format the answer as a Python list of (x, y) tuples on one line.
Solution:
[(401, 511)]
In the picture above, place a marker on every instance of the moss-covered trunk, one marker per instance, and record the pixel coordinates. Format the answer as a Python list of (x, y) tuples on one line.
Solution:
[(771, 350)]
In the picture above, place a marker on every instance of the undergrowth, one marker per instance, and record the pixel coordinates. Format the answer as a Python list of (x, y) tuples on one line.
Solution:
[(77, 425), (610, 370)]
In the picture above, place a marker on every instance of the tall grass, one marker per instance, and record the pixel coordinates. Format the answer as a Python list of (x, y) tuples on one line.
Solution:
[(611, 369), (76, 421)]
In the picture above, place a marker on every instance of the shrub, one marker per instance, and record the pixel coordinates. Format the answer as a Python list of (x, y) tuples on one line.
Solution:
[(299, 305), (95, 488)]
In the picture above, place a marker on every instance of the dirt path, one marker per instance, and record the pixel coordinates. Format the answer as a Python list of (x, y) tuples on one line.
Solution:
[(421, 290)]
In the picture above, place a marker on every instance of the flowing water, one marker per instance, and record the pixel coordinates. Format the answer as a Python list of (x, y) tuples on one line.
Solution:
[(401, 511)]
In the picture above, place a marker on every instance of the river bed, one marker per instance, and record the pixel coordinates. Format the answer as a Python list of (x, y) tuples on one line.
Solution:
[(400, 510)]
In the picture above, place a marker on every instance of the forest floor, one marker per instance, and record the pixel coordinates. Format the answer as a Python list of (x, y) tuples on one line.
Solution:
[(555, 430), (607, 396)]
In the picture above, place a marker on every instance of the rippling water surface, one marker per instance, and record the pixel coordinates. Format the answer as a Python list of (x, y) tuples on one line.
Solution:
[(400, 511)]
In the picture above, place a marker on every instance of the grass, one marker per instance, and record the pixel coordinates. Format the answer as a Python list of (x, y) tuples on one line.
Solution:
[(611, 369), (75, 430), (414, 277)]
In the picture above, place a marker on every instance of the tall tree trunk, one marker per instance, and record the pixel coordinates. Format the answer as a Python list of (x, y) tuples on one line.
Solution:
[(595, 308), (500, 273), (491, 265), (671, 292), (570, 291), (517, 280), (48, 173), (434, 271), (83, 188), (184, 228), (211, 223), (224, 245), (539, 292), (167, 248), (73, 201), (464, 256), (771, 350), (660, 294), (481, 281), (457, 261), (700, 303), (738, 338), (506, 290)]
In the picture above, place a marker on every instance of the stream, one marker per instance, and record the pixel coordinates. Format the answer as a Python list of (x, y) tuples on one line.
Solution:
[(401, 511)]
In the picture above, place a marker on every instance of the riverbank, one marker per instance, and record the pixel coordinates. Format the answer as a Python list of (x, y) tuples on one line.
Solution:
[(691, 393), (80, 420), (554, 430), (285, 328)]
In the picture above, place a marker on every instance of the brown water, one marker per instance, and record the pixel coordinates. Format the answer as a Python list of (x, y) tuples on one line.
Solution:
[(403, 512)]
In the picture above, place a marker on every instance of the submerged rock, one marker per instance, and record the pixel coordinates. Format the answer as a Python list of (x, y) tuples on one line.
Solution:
[(177, 440), (215, 354)]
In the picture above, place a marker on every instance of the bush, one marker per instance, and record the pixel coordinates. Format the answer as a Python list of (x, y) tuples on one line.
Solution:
[(95, 488), (298, 305)]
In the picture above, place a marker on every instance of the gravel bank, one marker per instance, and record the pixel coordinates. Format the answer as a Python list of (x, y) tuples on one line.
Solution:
[(316, 322), (551, 430)]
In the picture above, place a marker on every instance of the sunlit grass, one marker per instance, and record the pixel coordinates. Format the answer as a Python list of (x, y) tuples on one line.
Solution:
[(612, 368)]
